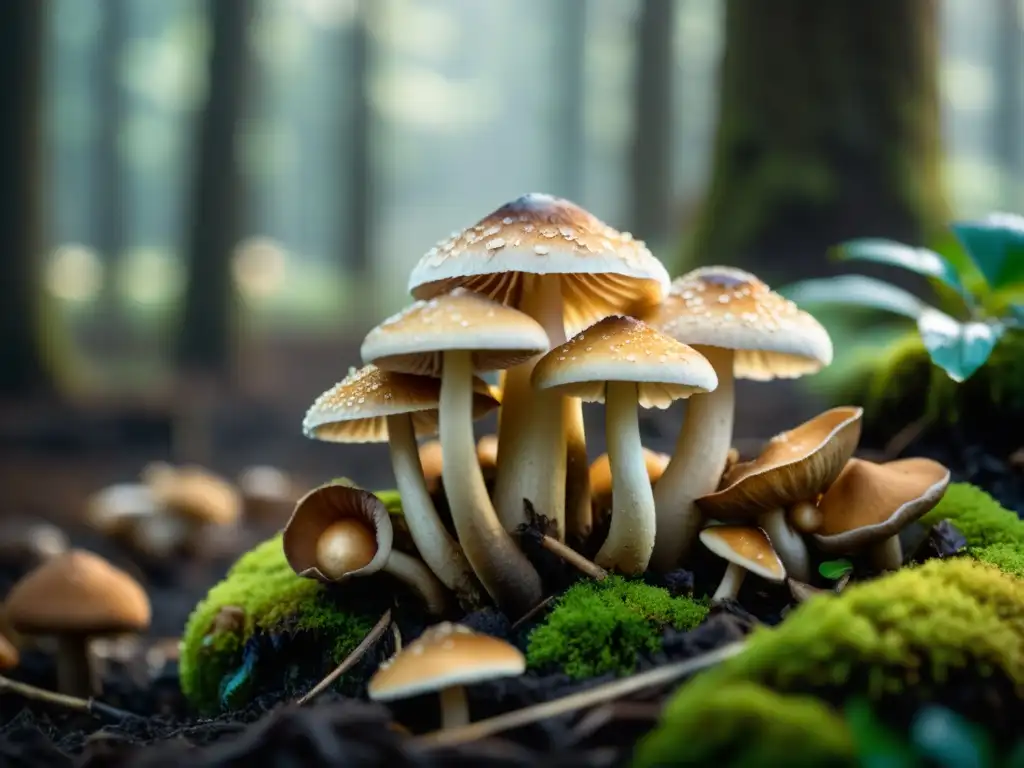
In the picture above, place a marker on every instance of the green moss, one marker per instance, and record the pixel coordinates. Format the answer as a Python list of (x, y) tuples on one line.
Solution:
[(982, 520), (276, 602), (1009, 558), (602, 626), (745, 724)]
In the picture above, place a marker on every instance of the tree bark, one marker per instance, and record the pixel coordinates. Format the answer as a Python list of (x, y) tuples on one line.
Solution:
[(828, 128), (357, 246)]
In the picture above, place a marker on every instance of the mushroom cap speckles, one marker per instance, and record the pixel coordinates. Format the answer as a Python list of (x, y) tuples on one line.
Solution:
[(415, 340), (870, 502), (729, 308), (625, 349), (445, 655), (603, 271), (355, 410), (747, 547)]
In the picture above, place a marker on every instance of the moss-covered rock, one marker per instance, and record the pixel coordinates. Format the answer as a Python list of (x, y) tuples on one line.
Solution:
[(603, 626), (223, 662)]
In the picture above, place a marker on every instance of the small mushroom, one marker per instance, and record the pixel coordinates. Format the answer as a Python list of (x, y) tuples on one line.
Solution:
[(805, 516), (74, 597), (432, 462), (268, 495), (746, 549), (446, 658), (337, 533), (25, 543), (9, 656), (487, 455), (869, 504), (199, 507)]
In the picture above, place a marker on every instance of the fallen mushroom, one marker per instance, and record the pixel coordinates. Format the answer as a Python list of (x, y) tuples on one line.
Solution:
[(370, 406), (626, 364), (446, 658), (337, 533), (75, 597), (869, 504), (795, 466), (452, 336), (747, 332), (746, 549)]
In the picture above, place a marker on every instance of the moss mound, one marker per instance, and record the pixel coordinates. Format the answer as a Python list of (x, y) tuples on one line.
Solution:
[(907, 634), (277, 604), (603, 626)]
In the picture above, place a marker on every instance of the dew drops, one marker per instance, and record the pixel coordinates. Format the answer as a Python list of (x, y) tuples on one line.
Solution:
[(541, 250)]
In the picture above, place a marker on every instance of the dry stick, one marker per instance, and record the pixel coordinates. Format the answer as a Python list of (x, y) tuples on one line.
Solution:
[(350, 661), (573, 558), (88, 706), (902, 439), (533, 611), (599, 695)]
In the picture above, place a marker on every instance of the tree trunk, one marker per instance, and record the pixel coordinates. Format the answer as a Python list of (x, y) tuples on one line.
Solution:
[(828, 128), (357, 243), (206, 334), (24, 331), (1009, 123), (570, 141)]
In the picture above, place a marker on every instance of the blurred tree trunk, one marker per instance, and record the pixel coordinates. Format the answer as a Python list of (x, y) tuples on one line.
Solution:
[(570, 130), (24, 332), (828, 128), (651, 166), (1009, 123), (206, 333), (357, 243)]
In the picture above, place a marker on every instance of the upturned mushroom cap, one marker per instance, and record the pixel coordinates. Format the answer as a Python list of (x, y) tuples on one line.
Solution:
[(795, 466), (77, 592), (624, 349), (198, 495), (747, 547), (414, 340), (445, 655), (602, 271), (355, 410), (601, 473), (337, 504), (871, 502), (729, 308)]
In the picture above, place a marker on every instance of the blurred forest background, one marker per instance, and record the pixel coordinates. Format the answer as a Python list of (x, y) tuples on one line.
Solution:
[(206, 204)]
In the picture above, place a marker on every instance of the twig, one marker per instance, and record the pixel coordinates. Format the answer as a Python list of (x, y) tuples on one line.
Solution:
[(396, 635), (599, 695), (533, 611), (89, 706), (350, 661), (899, 442), (597, 719), (573, 558)]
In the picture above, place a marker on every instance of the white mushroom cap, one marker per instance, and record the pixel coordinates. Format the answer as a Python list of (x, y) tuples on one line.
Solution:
[(624, 349), (414, 340), (747, 547), (729, 308), (603, 271)]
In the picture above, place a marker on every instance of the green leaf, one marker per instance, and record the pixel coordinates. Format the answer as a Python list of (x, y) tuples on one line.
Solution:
[(959, 349), (392, 500), (919, 260), (835, 569), (877, 746), (855, 290), (949, 740), (996, 244)]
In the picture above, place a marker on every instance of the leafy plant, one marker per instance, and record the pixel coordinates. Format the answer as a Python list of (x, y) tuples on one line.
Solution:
[(961, 344), (834, 570)]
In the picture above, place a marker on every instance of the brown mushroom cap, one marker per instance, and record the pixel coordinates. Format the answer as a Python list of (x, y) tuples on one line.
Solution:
[(487, 452), (795, 466), (747, 547), (602, 271), (601, 473), (432, 462), (871, 502), (77, 592), (9, 656), (355, 410), (198, 495), (445, 655), (727, 307), (624, 349)]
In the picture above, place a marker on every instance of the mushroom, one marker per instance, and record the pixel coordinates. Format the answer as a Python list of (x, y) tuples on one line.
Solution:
[(805, 516), (451, 336), (446, 658), (74, 597), (487, 456), (9, 656), (337, 533), (601, 477), (869, 504), (795, 466), (567, 269), (196, 500), (746, 549), (747, 332), (267, 494), (625, 363), (25, 543), (371, 406), (432, 462)]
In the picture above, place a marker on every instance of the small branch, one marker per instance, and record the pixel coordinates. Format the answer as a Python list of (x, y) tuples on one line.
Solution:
[(899, 442), (350, 661), (533, 611), (88, 706), (396, 635), (576, 701), (573, 558)]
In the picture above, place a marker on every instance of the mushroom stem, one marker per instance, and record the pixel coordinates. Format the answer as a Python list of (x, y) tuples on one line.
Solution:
[(578, 506), (439, 550), (887, 555), (413, 573), (75, 674), (531, 436), (696, 466), (509, 578), (730, 585), (788, 544), (631, 532), (454, 707)]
